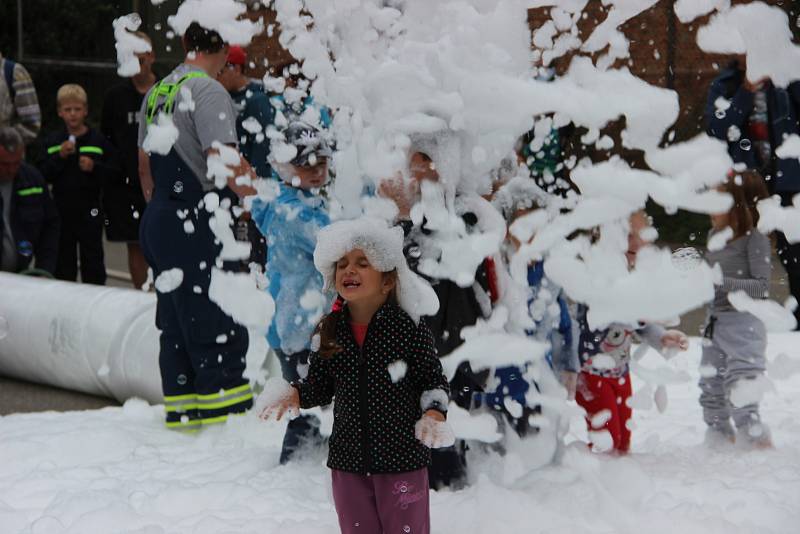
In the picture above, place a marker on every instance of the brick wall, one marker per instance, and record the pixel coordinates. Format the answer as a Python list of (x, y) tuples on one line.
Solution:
[(664, 52), (265, 52)]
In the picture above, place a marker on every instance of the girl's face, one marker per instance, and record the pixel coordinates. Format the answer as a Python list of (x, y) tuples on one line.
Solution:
[(357, 280)]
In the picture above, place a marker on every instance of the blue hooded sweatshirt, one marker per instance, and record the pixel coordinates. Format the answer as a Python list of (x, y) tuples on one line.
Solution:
[(291, 223)]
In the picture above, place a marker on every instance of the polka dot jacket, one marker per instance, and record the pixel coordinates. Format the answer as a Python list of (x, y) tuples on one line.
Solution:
[(375, 410)]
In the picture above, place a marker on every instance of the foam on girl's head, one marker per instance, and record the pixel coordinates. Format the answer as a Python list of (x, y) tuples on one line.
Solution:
[(383, 247)]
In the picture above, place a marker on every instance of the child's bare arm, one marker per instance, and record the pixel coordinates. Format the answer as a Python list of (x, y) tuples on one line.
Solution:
[(675, 339), (660, 338)]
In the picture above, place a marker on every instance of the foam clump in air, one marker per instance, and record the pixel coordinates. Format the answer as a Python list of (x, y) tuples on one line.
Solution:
[(776, 318), (742, 30), (688, 10), (161, 135), (773, 216), (790, 148), (169, 280), (129, 44), (222, 16), (238, 296)]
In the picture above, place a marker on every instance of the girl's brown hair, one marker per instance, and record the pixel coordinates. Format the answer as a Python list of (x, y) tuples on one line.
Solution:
[(746, 188), (326, 328)]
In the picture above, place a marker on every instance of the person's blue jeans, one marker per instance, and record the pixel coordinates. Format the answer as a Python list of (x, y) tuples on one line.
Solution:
[(304, 430)]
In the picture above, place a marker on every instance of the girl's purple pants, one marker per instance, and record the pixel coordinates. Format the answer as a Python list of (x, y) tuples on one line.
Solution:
[(376, 504)]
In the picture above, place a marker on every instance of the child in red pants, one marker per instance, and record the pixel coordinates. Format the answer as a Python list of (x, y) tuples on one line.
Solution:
[(604, 383)]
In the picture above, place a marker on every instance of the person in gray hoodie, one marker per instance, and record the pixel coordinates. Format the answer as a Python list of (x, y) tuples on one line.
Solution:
[(736, 341)]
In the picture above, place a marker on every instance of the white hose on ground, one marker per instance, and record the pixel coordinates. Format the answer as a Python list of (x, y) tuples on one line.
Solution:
[(98, 340)]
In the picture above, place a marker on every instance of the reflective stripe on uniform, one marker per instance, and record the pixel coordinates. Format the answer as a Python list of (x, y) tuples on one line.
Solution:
[(188, 424), (214, 420), (180, 403), (30, 191), (225, 398), (83, 150), (180, 407), (219, 419), (91, 150)]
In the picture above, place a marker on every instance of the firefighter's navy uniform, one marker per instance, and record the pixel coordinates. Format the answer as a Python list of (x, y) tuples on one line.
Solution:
[(202, 355)]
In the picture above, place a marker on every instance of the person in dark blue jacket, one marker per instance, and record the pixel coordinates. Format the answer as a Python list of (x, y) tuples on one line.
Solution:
[(254, 112), (29, 223), (755, 118)]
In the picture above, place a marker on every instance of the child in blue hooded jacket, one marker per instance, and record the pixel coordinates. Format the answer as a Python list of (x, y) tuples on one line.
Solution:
[(290, 223)]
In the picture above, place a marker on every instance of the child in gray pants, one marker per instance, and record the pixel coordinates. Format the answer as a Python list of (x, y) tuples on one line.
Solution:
[(736, 341)]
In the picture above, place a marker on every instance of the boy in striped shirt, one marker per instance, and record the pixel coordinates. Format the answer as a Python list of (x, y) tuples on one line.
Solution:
[(19, 106)]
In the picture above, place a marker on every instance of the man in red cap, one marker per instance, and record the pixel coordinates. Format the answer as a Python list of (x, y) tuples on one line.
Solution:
[(254, 112)]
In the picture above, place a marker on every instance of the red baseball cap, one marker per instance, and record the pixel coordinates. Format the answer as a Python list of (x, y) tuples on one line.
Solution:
[(237, 55)]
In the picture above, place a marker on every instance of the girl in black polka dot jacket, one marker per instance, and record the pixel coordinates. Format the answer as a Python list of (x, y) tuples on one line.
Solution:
[(378, 363)]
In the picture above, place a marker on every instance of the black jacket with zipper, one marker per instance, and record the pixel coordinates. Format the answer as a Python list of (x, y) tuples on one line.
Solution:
[(373, 416), (459, 307), (76, 192)]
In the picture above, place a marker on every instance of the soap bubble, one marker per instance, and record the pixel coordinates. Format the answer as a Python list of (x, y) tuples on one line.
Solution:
[(135, 20)]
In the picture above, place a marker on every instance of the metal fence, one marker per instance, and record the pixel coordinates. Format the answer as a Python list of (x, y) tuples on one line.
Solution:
[(72, 41)]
